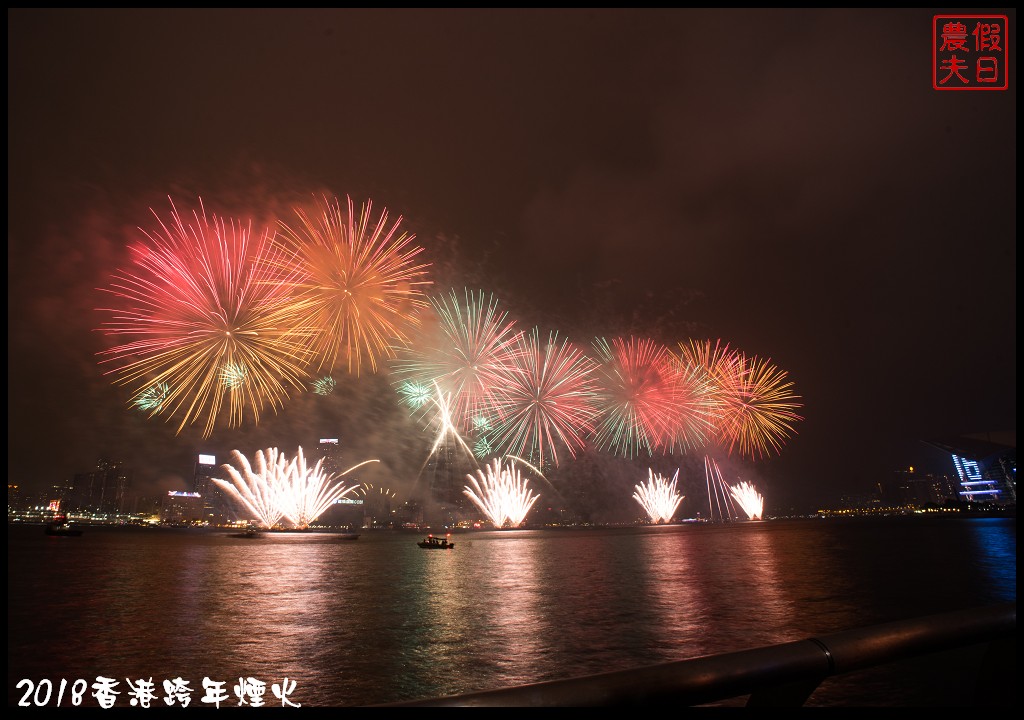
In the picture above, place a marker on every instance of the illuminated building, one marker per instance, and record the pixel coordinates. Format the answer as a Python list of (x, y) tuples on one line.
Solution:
[(330, 450), (215, 507), (182, 508), (985, 466)]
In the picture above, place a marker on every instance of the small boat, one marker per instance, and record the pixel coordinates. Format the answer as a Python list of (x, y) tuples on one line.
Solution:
[(249, 534), (433, 542), (348, 536), (62, 528)]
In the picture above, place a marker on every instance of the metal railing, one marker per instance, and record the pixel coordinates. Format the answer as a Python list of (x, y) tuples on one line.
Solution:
[(782, 675)]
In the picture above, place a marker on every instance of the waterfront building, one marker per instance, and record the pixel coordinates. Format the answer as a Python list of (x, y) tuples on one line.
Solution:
[(102, 490), (985, 466), (182, 508), (215, 506)]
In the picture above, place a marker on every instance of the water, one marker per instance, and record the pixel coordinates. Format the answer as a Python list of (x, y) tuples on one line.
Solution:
[(379, 620)]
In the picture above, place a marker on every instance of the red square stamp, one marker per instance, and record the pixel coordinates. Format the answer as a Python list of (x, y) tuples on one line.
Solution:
[(969, 52)]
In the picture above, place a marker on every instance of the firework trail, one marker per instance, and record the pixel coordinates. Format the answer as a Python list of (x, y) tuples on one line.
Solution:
[(206, 318), (749, 499), (720, 500), (637, 382), (356, 285), (501, 494), (447, 431), (546, 401), (465, 354), (658, 497)]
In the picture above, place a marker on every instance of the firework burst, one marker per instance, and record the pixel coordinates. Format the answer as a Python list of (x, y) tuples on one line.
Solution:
[(546, 402), (749, 499), (324, 385), (658, 497), (501, 493), (152, 399), (204, 315), (307, 492), (357, 287), (258, 490), (282, 489), (636, 396), (697, 407), (463, 353), (760, 410), (757, 407)]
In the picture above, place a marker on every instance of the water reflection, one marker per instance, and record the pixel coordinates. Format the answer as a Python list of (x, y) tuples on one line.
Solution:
[(667, 562), (995, 547), (380, 620)]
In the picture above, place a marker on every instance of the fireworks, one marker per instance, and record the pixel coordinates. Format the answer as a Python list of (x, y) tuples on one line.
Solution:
[(257, 491), (636, 393), (546, 400), (720, 497), (749, 499), (307, 493), (760, 412), (758, 408), (207, 321), (696, 408), (658, 497), (415, 395), (501, 494), (465, 356), (324, 385), (280, 488), (356, 284), (152, 399), (447, 430)]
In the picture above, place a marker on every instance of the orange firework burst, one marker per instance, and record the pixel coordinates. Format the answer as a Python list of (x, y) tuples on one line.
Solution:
[(357, 287), (758, 405), (207, 322)]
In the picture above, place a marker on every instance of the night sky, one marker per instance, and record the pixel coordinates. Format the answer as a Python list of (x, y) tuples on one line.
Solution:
[(787, 181)]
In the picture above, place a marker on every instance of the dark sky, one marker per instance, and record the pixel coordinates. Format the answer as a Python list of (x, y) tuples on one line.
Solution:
[(785, 180)]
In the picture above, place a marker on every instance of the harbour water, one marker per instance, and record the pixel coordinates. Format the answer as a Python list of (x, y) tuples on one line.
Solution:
[(379, 620)]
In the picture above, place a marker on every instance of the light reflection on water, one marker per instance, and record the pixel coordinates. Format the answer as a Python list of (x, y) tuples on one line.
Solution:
[(380, 620)]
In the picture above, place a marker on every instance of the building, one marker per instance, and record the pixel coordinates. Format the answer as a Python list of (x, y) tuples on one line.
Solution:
[(912, 488), (103, 490), (330, 450), (182, 508), (985, 465), (217, 508)]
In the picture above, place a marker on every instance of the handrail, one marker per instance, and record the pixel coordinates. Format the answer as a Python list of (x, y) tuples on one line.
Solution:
[(783, 675)]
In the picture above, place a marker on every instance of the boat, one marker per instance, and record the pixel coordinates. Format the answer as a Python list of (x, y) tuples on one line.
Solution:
[(249, 534), (62, 528), (348, 536), (432, 542)]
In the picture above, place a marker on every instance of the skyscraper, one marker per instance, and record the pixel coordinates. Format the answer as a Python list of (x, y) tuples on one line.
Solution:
[(101, 490)]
